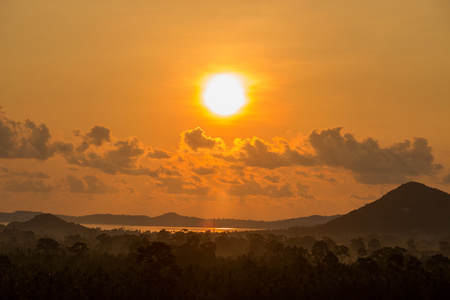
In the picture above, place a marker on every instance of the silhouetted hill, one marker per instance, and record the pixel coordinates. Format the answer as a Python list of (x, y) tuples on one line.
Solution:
[(411, 209), (49, 224), (19, 215), (172, 219), (109, 219)]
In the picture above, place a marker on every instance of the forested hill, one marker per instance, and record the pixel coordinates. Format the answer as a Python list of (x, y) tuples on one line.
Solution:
[(49, 224), (411, 209), (173, 220)]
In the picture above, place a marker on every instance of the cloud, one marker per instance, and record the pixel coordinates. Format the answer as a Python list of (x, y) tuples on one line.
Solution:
[(76, 185), (11, 173), (178, 186), (446, 179), (90, 184), (250, 187), (204, 171), (27, 140), (121, 157), (196, 138), (227, 181), (365, 198), (273, 179), (257, 153), (303, 191), (370, 163), (28, 185), (96, 136), (159, 154)]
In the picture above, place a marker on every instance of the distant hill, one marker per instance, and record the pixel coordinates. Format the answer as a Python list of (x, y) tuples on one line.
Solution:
[(49, 224), (411, 209), (20, 216), (174, 220)]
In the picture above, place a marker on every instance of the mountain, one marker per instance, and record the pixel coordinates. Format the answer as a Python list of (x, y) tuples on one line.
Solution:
[(49, 224), (172, 219), (411, 209), (18, 216)]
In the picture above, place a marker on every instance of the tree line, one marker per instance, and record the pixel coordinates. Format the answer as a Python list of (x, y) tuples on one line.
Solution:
[(233, 265)]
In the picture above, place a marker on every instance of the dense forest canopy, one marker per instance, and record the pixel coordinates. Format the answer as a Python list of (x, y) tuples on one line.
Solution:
[(121, 264)]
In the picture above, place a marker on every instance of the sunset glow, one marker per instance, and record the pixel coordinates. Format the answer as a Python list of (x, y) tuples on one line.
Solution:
[(224, 94), (220, 109)]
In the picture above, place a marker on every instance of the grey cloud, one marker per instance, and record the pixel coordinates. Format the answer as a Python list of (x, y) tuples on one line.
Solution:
[(90, 184), (27, 140), (273, 179), (370, 163), (365, 198), (257, 153), (196, 138), (303, 191), (255, 189), (234, 181), (446, 179), (76, 185), (159, 154), (178, 186), (204, 171), (96, 136), (12, 173), (28, 185), (324, 178), (122, 159)]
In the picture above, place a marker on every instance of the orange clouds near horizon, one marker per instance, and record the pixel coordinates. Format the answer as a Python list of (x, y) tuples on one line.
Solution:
[(103, 106), (326, 172)]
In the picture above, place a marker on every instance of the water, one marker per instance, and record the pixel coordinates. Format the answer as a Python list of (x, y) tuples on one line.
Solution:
[(159, 228)]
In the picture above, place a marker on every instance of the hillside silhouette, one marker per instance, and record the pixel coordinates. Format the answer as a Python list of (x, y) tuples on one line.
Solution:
[(49, 224), (411, 209), (172, 219)]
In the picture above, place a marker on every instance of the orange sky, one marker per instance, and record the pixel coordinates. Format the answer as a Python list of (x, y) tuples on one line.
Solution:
[(346, 100)]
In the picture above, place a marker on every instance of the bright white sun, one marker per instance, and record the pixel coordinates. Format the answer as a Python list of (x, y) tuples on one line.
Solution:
[(224, 94)]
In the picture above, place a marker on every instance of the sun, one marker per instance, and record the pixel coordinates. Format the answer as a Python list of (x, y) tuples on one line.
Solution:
[(224, 94)]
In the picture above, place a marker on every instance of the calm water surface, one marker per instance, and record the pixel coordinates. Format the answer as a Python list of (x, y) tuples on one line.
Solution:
[(159, 228)]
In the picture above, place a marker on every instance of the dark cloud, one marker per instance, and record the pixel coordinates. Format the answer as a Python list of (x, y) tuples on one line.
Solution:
[(370, 163), (96, 136), (303, 191), (446, 179), (204, 171), (28, 185), (12, 173), (90, 184), (233, 181), (258, 153), (273, 179), (365, 198), (159, 154), (76, 185), (253, 188), (196, 138), (172, 171), (27, 140), (324, 178), (178, 186), (122, 158)]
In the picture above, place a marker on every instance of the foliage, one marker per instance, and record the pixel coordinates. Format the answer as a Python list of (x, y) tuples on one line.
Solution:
[(187, 265)]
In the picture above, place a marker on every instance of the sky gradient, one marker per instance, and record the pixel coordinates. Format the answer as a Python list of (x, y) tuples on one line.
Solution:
[(102, 109)]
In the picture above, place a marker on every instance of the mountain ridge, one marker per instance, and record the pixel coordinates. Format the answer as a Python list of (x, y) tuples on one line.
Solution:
[(410, 209), (172, 219)]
